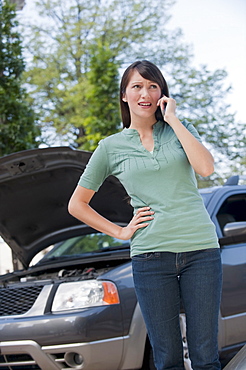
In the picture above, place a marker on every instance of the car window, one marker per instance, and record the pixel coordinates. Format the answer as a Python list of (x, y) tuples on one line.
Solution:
[(233, 209), (95, 242)]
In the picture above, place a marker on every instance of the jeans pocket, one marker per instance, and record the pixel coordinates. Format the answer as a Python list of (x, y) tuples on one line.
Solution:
[(143, 256)]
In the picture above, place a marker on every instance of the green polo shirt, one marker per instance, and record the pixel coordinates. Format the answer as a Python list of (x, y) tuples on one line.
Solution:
[(163, 180)]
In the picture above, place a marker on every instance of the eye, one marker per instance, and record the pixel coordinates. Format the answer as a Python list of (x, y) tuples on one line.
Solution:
[(153, 86), (136, 86)]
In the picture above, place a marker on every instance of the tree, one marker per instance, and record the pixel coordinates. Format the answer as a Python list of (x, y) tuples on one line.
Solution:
[(62, 48), (17, 120), (76, 38), (102, 97)]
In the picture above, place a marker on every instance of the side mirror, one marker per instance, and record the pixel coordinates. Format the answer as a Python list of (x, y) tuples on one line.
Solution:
[(235, 229), (235, 232)]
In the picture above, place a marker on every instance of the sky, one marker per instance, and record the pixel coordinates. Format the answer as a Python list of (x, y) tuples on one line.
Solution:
[(217, 31)]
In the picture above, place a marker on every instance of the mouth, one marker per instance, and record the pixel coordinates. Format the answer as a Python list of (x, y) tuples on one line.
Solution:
[(144, 104)]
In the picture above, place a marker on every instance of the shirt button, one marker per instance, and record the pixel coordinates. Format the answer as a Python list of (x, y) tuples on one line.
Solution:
[(155, 164)]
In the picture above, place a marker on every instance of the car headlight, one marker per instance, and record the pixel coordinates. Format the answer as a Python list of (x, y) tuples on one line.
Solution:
[(87, 293)]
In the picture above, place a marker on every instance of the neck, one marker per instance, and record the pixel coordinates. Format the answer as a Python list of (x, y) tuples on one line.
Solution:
[(143, 126)]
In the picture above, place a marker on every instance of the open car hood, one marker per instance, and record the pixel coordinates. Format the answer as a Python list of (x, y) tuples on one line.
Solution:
[(35, 187)]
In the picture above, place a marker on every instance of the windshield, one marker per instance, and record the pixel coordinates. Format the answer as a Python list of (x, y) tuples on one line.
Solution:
[(79, 245)]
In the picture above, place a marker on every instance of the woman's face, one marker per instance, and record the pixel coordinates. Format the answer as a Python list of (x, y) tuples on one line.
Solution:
[(142, 96)]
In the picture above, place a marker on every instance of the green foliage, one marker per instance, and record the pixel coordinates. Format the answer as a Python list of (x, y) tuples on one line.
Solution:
[(101, 97), (17, 128), (74, 43), (201, 101), (77, 49)]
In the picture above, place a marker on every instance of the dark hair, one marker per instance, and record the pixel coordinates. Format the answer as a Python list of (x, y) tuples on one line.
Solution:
[(149, 71)]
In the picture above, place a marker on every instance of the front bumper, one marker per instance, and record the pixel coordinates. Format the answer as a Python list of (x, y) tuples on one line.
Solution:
[(98, 355), (122, 352)]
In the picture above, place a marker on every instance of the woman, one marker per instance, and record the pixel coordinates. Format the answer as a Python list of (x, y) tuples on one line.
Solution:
[(174, 248)]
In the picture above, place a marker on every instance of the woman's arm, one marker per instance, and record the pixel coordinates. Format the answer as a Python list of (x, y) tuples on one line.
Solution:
[(79, 208), (199, 157)]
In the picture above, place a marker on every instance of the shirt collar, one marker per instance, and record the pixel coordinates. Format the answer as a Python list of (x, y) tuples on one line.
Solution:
[(133, 132)]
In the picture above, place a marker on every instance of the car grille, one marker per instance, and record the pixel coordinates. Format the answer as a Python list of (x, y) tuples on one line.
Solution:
[(26, 362), (17, 301), (18, 362)]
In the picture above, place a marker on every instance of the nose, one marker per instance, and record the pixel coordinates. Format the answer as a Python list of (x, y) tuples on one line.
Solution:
[(144, 92)]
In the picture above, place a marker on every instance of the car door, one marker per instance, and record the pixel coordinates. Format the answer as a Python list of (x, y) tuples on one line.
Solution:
[(232, 208)]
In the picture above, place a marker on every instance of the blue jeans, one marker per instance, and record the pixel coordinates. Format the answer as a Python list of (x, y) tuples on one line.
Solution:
[(162, 280)]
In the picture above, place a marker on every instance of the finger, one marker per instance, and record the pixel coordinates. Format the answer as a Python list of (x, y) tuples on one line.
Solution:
[(140, 220), (162, 104), (159, 102), (144, 215), (143, 209), (140, 226)]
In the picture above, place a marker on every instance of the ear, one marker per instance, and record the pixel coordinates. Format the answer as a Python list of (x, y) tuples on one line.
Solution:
[(124, 98)]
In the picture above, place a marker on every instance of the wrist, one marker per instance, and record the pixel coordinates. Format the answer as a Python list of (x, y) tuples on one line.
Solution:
[(119, 232), (171, 118)]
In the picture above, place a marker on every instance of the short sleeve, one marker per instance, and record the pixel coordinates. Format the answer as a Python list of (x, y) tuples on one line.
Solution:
[(96, 170), (192, 130)]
